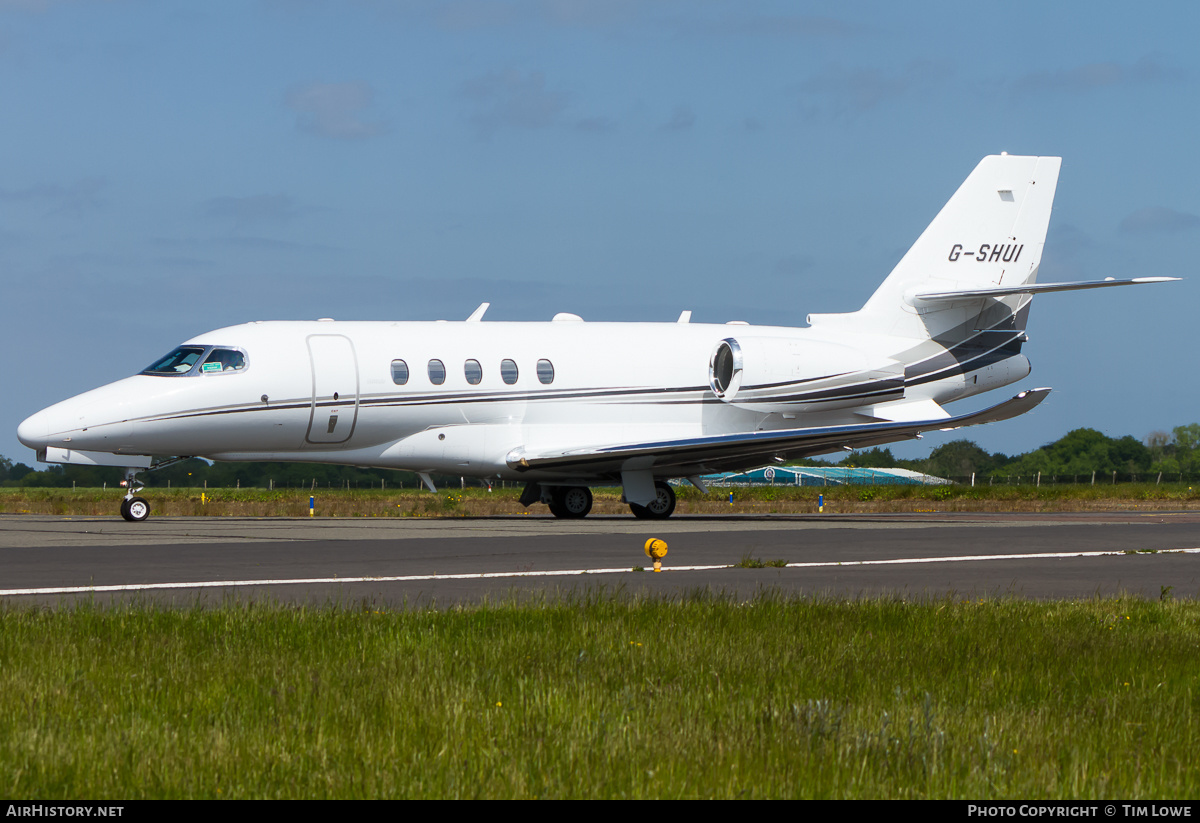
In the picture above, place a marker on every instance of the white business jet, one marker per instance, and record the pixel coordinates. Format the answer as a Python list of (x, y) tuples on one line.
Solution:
[(565, 405)]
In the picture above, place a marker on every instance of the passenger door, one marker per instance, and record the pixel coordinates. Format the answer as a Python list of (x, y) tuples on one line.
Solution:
[(335, 389)]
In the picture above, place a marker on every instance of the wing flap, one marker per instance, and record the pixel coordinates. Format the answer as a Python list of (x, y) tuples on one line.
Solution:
[(747, 449), (908, 411)]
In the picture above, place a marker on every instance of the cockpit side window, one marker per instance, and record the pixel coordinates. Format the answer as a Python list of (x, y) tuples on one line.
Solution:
[(223, 361), (177, 362)]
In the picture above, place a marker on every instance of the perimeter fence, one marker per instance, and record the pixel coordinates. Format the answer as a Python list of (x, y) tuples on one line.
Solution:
[(1099, 478), (839, 476)]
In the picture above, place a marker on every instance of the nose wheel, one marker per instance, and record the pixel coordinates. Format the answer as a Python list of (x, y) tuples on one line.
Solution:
[(135, 509)]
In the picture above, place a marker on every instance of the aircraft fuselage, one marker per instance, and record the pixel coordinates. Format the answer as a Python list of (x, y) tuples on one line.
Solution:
[(364, 393)]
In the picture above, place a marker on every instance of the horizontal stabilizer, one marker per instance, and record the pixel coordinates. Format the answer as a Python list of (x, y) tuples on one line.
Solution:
[(750, 449), (920, 298)]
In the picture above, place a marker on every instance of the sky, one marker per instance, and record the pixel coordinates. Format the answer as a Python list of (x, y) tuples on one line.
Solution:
[(167, 168)]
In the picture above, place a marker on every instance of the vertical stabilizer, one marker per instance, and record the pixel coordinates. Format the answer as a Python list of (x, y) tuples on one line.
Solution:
[(989, 234)]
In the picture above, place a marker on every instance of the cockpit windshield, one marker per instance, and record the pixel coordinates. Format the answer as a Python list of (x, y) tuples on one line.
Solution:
[(179, 361), (211, 360)]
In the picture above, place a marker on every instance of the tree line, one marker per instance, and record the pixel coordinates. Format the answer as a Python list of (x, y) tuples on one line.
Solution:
[(1079, 453)]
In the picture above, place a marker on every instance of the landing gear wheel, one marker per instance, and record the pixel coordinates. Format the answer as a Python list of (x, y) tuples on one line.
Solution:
[(135, 509), (660, 508), (571, 502)]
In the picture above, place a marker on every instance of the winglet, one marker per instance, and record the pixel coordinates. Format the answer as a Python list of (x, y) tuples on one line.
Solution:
[(1007, 410)]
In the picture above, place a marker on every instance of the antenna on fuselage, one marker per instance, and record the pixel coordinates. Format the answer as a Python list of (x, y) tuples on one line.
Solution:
[(477, 315)]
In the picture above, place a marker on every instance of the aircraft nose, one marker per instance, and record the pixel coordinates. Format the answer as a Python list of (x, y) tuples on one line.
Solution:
[(34, 431)]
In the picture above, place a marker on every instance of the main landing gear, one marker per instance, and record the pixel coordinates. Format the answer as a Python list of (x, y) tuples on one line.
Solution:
[(570, 501), (133, 508), (660, 508), (576, 501)]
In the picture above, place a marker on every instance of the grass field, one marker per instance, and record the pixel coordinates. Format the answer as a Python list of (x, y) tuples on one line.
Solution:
[(601, 694), (604, 696), (478, 502)]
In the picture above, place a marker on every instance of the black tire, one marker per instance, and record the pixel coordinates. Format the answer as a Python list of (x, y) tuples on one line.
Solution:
[(572, 502), (135, 509), (662, 507)]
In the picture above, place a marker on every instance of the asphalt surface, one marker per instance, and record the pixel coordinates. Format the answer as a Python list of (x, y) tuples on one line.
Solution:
[(61, 561)]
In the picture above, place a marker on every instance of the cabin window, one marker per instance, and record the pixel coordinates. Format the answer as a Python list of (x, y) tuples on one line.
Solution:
[(508, 371), (474, 372), (399, 372), (177, 362), (223, 361), (437, 372), (545, 370)]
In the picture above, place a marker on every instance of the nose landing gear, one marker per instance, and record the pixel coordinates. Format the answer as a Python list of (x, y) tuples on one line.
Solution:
[(133, 508)]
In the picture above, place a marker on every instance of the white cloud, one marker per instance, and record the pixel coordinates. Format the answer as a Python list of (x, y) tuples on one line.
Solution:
[(258, 208), (75, 200), (511, 99), (1092, 76), (1159, 219), (785, 26), (682, 119), (334, 110), (839, 91)]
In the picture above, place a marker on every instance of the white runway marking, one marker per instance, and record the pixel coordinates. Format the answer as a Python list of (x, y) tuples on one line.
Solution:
[(221, 584)]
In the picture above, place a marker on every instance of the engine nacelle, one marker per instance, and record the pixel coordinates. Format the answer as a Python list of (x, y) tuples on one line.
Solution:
[(781, 374)]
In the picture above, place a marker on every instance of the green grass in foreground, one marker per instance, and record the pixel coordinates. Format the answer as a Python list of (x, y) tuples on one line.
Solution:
[(476, 502), (604, 697)]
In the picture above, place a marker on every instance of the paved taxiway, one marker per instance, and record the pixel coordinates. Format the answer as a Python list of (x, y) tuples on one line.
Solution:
[(183, 561)]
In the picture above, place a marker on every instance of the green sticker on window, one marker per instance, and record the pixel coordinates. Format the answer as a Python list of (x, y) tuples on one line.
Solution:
[(211, 367)]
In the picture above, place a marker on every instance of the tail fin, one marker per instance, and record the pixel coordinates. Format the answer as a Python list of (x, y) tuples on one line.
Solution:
[(990, 234)]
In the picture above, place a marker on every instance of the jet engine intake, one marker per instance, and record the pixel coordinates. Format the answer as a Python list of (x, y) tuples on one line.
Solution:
[(783, 374)]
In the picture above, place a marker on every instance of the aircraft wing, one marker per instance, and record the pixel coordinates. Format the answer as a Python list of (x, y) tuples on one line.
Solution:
[(749, 449)]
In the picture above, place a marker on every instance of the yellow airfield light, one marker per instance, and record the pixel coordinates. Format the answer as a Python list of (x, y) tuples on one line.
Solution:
[(656, 550)]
